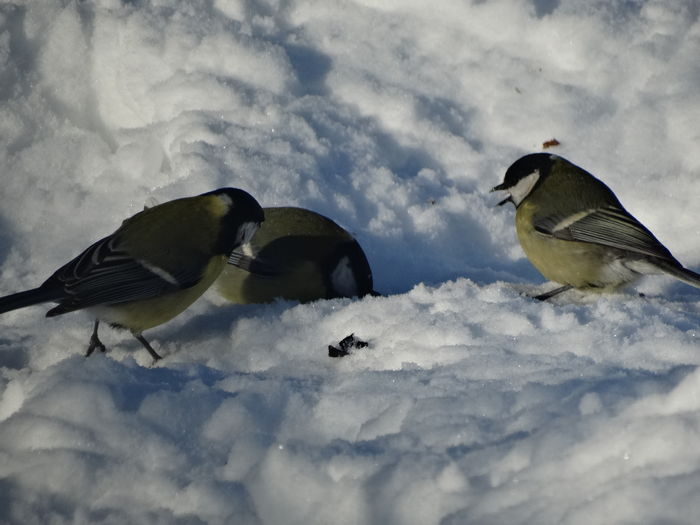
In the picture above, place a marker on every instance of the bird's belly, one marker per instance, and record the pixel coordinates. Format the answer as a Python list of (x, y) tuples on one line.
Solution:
[(142, 315), (581, 265)]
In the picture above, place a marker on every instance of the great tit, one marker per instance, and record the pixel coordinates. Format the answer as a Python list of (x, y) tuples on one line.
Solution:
[(153, 267), (296, 254), (575, 231)]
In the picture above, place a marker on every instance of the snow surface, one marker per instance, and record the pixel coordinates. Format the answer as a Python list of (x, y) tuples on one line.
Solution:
[(472, 403)]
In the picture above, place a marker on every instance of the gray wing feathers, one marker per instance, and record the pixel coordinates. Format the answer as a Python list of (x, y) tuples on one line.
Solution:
[(608, 226), (104, 274), (254, 265)]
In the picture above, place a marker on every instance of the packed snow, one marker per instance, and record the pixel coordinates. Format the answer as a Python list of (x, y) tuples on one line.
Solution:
[(472, 403)]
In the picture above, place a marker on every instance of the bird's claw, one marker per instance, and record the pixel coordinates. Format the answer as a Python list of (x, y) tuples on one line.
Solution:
[(95, 344)]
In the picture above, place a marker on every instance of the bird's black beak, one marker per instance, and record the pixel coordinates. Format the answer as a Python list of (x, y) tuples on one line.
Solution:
[(501, 187), (507, 199)]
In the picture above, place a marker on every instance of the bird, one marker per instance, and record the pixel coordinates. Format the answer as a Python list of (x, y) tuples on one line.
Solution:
[(155, 265), (575, 231), (297, 254)]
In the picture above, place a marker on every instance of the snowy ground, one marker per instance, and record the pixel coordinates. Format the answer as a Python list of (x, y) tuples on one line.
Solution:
[(473, 403)]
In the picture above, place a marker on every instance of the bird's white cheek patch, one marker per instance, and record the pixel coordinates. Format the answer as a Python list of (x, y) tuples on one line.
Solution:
[(523, 187), (343, 278), (246, 232)]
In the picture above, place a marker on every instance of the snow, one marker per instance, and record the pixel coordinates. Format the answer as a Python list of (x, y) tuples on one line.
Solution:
[(472, 402)]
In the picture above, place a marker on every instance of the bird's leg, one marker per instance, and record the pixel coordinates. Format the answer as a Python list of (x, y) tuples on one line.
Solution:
[(95, 342), (552, 293), (148, 347)]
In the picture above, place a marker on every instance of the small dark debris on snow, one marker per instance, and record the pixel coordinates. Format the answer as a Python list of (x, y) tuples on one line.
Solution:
[(345, 346)]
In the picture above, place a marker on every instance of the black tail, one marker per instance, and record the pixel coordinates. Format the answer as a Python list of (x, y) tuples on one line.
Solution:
[(28, 298), (681, 273)]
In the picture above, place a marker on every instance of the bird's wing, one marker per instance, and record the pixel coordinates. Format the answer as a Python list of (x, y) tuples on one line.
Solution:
[(253, 264), (106, 274), (609, 226)]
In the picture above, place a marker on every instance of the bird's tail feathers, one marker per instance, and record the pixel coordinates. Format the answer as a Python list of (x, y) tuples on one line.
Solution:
[(681, 273), (28, 298)]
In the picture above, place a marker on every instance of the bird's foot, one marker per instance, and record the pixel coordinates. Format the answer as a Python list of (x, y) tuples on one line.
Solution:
[(148, 347), (552, 293), (95, 344)]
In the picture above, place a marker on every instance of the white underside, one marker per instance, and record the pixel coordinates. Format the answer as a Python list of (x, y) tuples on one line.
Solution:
[(626, 271)]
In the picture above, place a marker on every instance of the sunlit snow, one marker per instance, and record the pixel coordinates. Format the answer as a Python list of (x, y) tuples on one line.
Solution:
[(472, 403)]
